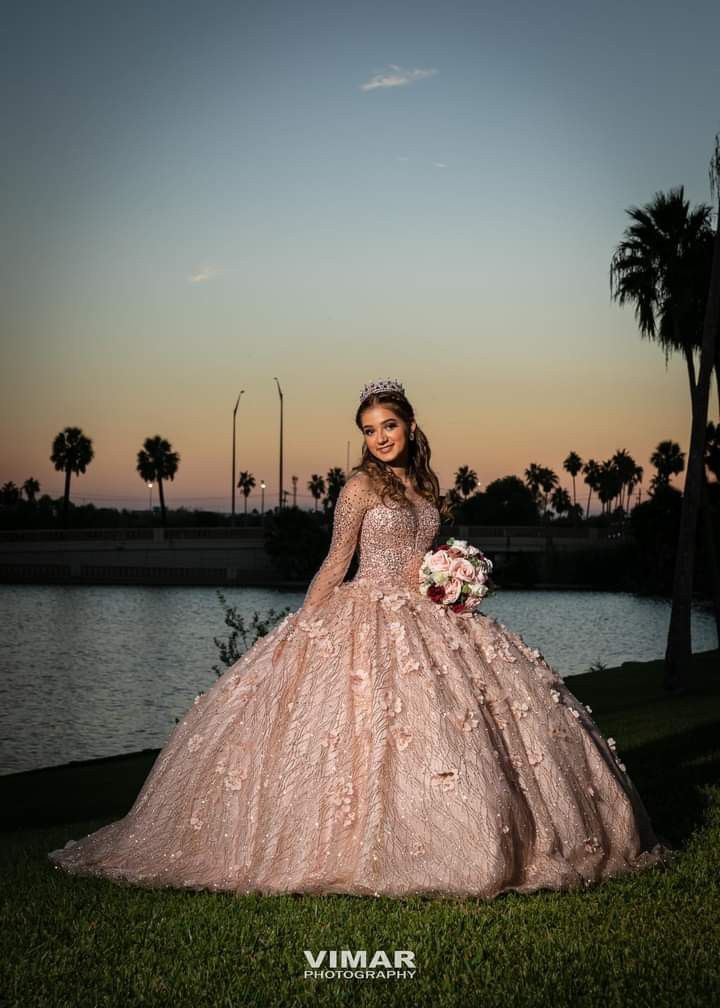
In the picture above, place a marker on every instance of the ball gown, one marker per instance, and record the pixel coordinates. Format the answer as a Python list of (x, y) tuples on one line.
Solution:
[(376, 743)]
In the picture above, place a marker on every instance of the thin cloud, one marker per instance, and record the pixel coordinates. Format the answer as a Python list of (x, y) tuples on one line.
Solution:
[(395, 76), (439, 164), (203, 275)]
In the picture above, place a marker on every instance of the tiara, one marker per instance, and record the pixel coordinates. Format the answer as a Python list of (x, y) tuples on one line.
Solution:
[(384, 385)]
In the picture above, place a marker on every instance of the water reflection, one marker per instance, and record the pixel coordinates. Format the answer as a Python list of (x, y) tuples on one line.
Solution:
[(97, 671)]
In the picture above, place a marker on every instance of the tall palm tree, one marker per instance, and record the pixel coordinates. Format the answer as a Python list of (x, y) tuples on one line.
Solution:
[(533, 479), (625, 466), (156, 461), (668, 460), (678, 655), (31, 488), (573, 464), (316, 486), (335, 482), (246, 482), (466, 480), (664, 266), (591, 472), (634, 481), (609, 483), (71, 453), (548, 481)]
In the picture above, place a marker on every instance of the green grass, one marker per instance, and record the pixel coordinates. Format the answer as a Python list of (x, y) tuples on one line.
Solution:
[(646, 939)]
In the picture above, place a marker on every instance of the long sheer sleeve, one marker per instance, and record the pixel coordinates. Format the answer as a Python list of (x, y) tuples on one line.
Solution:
[(353, 501)]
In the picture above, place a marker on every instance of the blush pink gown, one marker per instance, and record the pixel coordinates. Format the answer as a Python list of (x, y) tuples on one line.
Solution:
[(374, 743)]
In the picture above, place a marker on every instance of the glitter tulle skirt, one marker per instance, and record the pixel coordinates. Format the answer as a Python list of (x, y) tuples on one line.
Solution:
[(380, 745)]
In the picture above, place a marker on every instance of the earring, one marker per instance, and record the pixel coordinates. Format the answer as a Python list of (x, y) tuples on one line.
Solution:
[(412, 435)]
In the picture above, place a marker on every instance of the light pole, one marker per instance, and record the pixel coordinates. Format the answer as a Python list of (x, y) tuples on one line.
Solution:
[(262, 498), (294, 481), (150, 486), (232, 509), (280, 491)]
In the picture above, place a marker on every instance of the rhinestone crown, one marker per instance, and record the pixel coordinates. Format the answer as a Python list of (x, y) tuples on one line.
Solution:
[(384, 385)]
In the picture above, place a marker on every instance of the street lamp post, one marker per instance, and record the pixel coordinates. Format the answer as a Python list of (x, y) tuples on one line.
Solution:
[(294, 482), (280, 490), (150, 486), (262, 498), (232, 509)]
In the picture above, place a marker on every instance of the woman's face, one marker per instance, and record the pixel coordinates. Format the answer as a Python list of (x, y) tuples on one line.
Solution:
[(386, 435)]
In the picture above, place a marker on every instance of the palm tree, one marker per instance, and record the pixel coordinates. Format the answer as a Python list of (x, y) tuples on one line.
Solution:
[(591, 472), (609, 483), (678, 655), (625, 465), (573, 464), (466, 480), (560, 501), (31, 488), (72, 452), (316, 486), (669, 461), (156, 461), (533, 479), (246, 482), (335, 483), (661, 266), (635, 480), (548, 481)]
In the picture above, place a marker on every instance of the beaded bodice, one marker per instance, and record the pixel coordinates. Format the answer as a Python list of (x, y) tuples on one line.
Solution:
[(392, 540)]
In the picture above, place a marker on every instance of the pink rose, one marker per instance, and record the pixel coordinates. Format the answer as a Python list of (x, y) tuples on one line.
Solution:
[(439, 562), (462, 569), (453, 587)]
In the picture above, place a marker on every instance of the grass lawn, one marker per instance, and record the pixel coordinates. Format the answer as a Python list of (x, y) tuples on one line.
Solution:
[(647, 939)]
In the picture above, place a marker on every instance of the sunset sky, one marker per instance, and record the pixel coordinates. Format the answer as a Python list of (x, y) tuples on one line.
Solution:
[(199, 197)]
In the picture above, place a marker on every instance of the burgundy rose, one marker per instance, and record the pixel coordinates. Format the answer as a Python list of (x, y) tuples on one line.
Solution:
[(436, 593)]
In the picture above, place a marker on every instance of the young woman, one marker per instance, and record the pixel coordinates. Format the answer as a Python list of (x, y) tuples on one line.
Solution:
[(377, 743)]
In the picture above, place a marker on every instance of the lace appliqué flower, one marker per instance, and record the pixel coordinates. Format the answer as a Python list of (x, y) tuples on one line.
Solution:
[(469, 721), (401, 736), (394, 601), (342, 800), (391, 702), (592, 844), (359, 677), (234, 780)]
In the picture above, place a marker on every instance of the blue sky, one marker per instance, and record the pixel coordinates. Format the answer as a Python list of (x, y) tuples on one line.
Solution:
[(200, 197)]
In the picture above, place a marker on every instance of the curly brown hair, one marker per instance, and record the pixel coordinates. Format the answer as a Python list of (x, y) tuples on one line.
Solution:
[(420, 473)]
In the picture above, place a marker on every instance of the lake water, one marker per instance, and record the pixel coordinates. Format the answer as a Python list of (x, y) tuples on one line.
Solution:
[(98, 671)]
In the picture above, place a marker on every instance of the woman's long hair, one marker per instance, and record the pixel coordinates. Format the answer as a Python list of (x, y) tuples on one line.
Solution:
[(421, 475)]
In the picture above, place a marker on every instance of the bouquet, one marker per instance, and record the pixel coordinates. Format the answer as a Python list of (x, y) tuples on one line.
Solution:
[(456, 575)]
